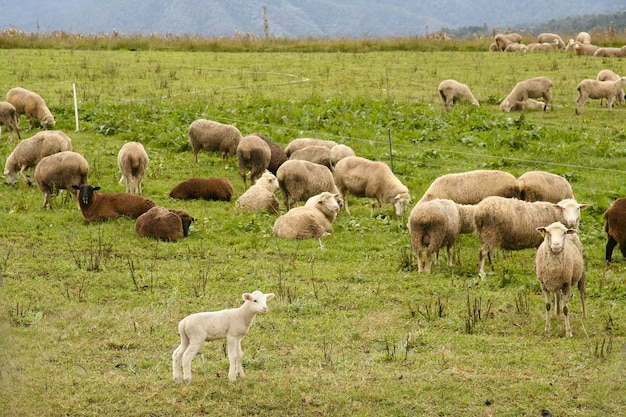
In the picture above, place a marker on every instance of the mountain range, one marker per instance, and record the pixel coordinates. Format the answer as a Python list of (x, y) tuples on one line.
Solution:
[(289, 18)]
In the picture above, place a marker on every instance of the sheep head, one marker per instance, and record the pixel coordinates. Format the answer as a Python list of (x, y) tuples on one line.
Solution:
[(85, 193), (554, 236), (257, 301)]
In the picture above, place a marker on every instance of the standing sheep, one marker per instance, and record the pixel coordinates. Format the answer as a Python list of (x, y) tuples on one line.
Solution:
[(313, 221), (608, 75), (213, 136), (253, 155), (132, 160), (298, 180), (164, 224), (31, 105), (219, 189), (231, 324), (559, 266), (598, 90), (10, 119), (278, 155), (538, 87), (544, 186), (261, 195), (374, 180), (451, 91), (318, 154), (95, 206), (615, 227), (337, 153), (472, 186), (300, 143), (62, 170)]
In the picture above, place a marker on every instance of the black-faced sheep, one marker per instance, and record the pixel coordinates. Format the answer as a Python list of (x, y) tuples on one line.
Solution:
[(230, 324), (218, 189), (164, 224), (451, 91), (504, 39), (598, 90), (10, 119), (132, 160), (60, 171), (538, 87), (30, 151), (615, 227), (361, 177), (608, 75), (309, 221), (31, 105), (298, 180), (608, 52), (278, 154), (261, 195), (551, 38), (318, 154), (544, 186), (472, 186), (253, 155), (95, 206), (300, 143), (213, 136), (559, 266)]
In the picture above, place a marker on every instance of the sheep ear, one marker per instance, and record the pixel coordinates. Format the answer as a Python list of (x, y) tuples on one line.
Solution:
[(269, 296), (541, 230), (583, 206), (96, 188), (570, 232), (246, 296), (76, 187)]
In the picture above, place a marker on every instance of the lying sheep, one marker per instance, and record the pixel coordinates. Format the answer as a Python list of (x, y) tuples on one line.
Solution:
[(583, 37), (598, 90), (277, 152), (31, 105), (543, 47), (503, 40), (511, 224), (132, 160), (318, 154), (30, 151), (261, 195), (472, 186), (231, 324), (528, 104), (551, 38), (516, 47), (585, 49), (213, 136), (608, 75), (538, 87), (164, 224), (10, 119), (218, 189), (451, 91), (337, 153), (300, 143), (309, 221), (253, 155), (615, 228), (95, 206), (608, 52), (60, 171), (298, 180), (559, 266), (544, 186)]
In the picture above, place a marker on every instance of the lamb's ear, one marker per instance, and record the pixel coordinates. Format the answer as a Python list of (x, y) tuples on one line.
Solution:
[(269, 296), (246, 296)]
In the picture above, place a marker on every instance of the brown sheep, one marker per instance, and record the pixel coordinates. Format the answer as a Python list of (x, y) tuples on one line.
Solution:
[(96, 206), (31, 105), (164, 224), (10, 119), (62, 170), (253, 154), (219, 189), (615, 227), (213, 136), (278, 154)]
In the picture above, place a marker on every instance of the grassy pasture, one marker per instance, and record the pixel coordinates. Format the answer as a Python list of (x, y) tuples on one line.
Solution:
[(89, 311)]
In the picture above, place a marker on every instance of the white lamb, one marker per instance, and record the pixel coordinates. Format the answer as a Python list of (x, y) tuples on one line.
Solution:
[(472, 186), (559, 266), (451, 91), (608, 75), (261, 195), (230, 324), (598, 90), (538, 87), (132, 160), (311, 221)]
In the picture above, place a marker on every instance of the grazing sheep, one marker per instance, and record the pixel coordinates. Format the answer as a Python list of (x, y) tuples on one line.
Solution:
[(511, 224), (313, 221), (544, 186), (528, 104), (551, 38), (253, 154), (218, 189), (451, 91), (374, 180), (278, 155), (95, 206), (583, 37), (585, 49), (337, 153), (317, 154), (164, 224), (608, 75), (615, 227), (608, 52), (504, 40), (516, 47), (132, 160), (300, 143), (598, 90), (559, 266), (261, 195), (298, 180), (438, 223), (231, 324), (213, 136), (10, 119), (30, 151), (472, 186), (532, 88), (31, 105), (63, 170)]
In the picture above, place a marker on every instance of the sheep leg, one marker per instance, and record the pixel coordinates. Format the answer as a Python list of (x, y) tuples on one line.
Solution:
[(567, 292), (449, 263), (582, 290), (28, 181), (484, 252), (235, 357), (372, 206), (548, 298), (345, 202), (429, 260), (188, 355), (176, 358), (610, 245)]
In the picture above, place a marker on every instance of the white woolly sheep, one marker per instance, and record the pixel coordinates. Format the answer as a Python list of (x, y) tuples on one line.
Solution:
[(615, 228), (314, 221), (164, 224), (10, 119), (551, 38), (361, 177), (608, 52), (218, 189), (337, 153), (543, 47), (585, 49), (559, 265), (538, 87), (472, 186), (60, 171), (544, 186), (132, 160), (511, 224), (583, 37), (318, 154), (300, 143), (438, 223), (231, 324), (298, 180), (31, 105), (451, 91), (528, 104), (213, 136), (95, 206), (503, 40), (261, 196), (608, 75), (598, 90), (253, 155), (29, 152), (516, 47)]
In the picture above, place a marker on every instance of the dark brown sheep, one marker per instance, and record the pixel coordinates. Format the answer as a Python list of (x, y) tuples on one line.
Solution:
[(278, 154), (219, 189), (615, 227), (96, 206), (164, 224)]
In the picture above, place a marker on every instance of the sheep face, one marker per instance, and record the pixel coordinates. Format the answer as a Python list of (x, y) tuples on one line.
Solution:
[(570, 211), (554, 236), (401, 202), (85, 193), (257, 301), (11, 177)]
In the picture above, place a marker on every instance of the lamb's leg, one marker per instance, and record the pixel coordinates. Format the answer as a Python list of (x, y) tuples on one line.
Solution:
[(546, 295), (176, 358), (188, 355), (234, 357)]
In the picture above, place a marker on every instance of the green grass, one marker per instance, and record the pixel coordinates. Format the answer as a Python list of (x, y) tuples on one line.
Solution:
[(89, 311)]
